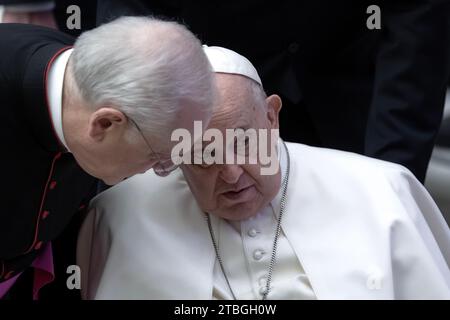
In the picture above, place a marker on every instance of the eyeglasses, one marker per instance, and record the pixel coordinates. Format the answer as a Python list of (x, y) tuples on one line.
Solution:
[(161, 168)]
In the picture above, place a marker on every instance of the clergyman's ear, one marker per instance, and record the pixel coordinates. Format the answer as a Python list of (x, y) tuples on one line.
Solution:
[(105, 120)]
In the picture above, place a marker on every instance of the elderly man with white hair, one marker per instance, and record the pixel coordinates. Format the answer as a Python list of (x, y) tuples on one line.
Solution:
[(102, 108), (327, 225)]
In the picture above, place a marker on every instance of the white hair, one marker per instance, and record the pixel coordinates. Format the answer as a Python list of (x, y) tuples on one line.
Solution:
[(258, 91), (147, 68)]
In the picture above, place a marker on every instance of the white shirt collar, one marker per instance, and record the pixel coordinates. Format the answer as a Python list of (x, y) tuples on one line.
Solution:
[(55, 93)]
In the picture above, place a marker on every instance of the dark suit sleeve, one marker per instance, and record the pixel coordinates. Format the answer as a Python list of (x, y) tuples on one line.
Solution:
[(412, 71)]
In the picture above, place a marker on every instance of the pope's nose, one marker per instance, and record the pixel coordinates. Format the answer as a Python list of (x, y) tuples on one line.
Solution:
[(231, 173)]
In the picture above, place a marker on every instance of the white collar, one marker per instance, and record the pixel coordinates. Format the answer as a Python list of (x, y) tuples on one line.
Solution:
[(55, 93)]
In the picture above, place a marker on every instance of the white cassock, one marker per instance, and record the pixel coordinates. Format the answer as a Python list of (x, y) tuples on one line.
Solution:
[(353, 228)]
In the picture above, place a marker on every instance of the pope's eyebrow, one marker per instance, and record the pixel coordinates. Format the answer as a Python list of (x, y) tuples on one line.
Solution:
[(158, 156)]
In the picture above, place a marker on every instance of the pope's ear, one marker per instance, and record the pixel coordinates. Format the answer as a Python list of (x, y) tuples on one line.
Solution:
[(273, 103), (106, 120)]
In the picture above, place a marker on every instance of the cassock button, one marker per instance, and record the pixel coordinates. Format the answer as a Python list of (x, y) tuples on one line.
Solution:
[(252, 233), (52, 185), (262, 281), (262, 290), (45, 214), (38, 245), (258, 254)]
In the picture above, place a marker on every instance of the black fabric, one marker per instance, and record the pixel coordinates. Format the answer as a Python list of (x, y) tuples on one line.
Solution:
[(43, 186), (375, 92)]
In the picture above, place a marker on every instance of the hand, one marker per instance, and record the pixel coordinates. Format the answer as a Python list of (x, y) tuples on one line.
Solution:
[(44, 18)]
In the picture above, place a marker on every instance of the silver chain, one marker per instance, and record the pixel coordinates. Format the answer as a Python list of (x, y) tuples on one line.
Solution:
[(275, 241)]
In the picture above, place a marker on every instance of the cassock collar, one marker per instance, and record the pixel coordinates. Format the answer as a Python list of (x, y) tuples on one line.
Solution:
[(35, 99), (55, 93)]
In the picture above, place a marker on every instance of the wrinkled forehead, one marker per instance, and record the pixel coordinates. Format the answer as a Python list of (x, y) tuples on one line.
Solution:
[(237, 104)]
